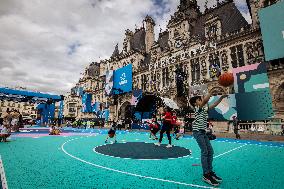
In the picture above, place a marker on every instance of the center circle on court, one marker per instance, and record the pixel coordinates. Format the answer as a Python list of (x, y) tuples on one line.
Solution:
[(142, 150)]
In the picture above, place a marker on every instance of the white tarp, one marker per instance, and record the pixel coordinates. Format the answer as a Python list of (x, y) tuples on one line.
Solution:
[(170, 103)]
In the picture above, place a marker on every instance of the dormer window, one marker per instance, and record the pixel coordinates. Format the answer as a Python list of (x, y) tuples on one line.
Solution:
[(212, 31), (176, 33), (213, 27)]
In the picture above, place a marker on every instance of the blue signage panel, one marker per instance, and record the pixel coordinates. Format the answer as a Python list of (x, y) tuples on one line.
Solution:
[(123, 80), (272, 29), (86, 103)]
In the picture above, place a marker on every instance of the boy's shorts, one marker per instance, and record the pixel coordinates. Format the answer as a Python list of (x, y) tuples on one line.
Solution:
[(111, 132)]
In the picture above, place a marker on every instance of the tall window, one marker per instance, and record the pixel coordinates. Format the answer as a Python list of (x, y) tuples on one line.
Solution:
[(195, 69), (165, 77), (237, 56), (153, 81), (143, 82), (212, 31)]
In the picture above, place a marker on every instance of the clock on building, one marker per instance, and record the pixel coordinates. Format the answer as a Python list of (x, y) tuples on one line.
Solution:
[(178, 43)]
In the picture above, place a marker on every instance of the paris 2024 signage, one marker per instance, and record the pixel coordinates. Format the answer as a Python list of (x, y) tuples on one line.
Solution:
[(123, 80)]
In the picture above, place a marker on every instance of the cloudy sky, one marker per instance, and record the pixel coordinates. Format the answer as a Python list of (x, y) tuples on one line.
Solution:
[(46, 44)]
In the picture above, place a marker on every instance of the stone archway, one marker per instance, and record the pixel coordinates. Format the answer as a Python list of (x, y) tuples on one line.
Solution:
[(217, 91), (125, 111)]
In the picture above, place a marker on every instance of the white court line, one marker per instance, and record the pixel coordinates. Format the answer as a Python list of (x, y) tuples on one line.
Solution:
[(127, 173), (229, 151), (3, 176)]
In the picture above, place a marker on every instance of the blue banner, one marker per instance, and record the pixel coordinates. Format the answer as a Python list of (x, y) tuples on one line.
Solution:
[(47, 112), (80, 91), (86, 103), (96, 107), (123, 80), (61, 109), (103, 114)]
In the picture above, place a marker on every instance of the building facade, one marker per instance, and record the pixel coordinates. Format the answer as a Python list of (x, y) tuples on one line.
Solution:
[(193, 41), (25, 108)]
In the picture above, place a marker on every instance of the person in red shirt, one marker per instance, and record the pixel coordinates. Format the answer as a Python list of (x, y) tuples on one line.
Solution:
[(166, 127)]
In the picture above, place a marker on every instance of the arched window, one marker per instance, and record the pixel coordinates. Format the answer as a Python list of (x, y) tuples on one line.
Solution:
[(237, 56), (217, 91), (195, 69)]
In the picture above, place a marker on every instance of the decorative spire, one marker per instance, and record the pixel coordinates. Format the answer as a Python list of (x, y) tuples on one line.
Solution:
[(115, 52), (206, 5), (149, 19), (218, 3)]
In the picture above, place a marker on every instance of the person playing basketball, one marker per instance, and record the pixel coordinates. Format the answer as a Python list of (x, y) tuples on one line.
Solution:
[(166, 127), (199, 126)]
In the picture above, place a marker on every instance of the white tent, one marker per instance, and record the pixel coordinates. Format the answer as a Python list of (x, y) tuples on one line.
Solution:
[(170, 103)]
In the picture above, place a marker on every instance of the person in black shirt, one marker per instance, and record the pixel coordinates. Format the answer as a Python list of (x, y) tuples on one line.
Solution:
[(111, 133), (236, 127)]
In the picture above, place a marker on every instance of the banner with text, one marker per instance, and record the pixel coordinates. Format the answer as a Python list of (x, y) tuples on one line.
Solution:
[(123, 80)]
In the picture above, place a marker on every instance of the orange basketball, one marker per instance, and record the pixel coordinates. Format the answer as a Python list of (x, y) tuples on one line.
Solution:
[(226, 79)]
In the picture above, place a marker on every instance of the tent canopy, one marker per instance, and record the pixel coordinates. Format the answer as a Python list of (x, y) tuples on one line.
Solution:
[(24, 96), (148, 103), (170, 103)]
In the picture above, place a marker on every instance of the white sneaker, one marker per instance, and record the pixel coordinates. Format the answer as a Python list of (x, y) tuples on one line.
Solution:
[(169, 146), (158, 144)]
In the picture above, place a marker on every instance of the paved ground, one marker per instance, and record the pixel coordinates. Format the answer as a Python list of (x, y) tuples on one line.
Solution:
[(70, 161)]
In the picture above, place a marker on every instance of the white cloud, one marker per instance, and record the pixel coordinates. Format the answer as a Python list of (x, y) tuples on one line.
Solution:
[(45, 45)]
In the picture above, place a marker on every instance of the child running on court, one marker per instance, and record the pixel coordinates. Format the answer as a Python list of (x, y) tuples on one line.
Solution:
[(199, 125), (111, 133), (166, 127)]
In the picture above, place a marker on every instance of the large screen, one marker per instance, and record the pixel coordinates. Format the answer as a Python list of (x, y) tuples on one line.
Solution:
[(272, 29), (123, 80)]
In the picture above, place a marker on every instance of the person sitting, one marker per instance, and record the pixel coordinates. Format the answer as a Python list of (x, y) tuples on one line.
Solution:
[(5, 133), (54, 130), (180, 132), (154, 128)]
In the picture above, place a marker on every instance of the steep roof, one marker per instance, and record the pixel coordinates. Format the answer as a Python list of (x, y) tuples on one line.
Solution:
[(138, 40), (228, 13), (115, 52), (163, 40)]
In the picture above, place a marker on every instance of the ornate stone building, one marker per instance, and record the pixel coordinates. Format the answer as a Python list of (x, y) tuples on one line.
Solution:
[(25, 108), (193, 41)]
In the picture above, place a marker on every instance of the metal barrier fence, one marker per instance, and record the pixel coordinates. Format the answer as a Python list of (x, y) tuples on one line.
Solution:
[(265, 128)]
